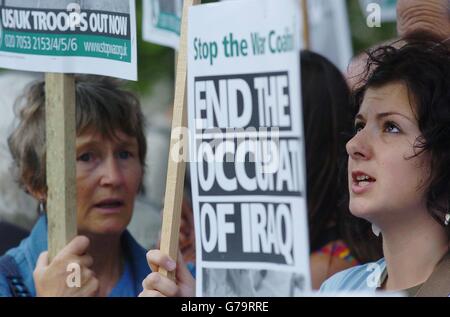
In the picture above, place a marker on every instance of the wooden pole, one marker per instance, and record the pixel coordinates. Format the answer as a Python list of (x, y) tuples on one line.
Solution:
[(305, 24), (176, 169), (61, 181)]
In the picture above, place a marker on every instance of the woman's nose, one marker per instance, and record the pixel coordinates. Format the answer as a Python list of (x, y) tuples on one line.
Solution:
[(359, 146), (111, 173)]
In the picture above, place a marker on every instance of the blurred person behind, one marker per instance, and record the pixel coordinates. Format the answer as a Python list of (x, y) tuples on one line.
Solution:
[(337, 239)]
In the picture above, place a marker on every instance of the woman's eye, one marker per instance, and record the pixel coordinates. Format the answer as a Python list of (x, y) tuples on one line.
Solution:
[(124, 155), (85, 157), (358, 126), (391, 127)]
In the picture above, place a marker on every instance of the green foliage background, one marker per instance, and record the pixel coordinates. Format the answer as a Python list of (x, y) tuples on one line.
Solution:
[(157, 62)]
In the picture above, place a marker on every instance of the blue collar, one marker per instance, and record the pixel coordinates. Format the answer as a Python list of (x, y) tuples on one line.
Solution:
[(135, 269)]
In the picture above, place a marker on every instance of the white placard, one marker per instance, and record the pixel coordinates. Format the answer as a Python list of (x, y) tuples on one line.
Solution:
[(67, 36), (330, 31), (161, 22), (244, 103)]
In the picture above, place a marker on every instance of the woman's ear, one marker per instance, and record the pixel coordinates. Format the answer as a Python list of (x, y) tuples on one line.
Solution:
[(39, 195), (141, 188)]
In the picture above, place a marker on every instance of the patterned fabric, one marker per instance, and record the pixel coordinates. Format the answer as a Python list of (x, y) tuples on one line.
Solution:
[(340, 250)]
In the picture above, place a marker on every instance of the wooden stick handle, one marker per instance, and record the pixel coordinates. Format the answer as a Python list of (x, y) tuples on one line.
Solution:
[(176, 168), (60, 140), (306, 36)]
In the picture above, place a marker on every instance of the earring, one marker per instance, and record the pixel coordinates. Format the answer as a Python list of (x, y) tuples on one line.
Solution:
[(41, 207), (447, 219), (376, 231)]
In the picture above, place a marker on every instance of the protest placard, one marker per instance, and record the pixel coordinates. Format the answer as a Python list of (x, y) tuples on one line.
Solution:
[(95, 37), (329, 31), (161, 22), (246, 146)]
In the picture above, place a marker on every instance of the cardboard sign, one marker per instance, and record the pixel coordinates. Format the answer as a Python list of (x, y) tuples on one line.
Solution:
[(161, 22), (330, 31), (246, 146), (95, 37)]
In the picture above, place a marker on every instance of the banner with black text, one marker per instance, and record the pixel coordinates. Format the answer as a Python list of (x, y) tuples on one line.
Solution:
[(246, 147)]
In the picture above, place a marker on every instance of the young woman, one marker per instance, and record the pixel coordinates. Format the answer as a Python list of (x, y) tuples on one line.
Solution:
[(399, 170), (398, 174), (335, 241), (110, 156)]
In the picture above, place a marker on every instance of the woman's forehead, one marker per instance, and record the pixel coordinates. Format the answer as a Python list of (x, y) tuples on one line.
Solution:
[(392, 97), (94, 136)]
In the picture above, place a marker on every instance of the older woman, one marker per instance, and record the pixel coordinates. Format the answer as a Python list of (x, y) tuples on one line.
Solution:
[(110, 155), (399, 170)]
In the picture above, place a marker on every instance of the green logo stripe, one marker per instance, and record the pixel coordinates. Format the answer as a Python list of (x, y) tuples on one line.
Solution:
[(66, 45), (169, 22)]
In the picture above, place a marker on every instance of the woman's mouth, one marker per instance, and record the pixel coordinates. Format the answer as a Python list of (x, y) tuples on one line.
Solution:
[(361, 182), (109, 206)]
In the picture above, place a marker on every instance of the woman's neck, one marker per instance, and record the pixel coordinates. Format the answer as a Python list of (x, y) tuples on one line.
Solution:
[(412, 250), (108, 261)]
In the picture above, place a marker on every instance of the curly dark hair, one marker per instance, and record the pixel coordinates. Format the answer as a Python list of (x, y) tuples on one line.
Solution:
[(423, 65)]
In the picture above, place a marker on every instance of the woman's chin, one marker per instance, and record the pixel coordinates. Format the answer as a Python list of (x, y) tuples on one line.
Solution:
[(361, 210), (111, 230), (108, 227)]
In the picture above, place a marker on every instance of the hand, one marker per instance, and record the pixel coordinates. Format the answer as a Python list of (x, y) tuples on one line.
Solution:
[(50, 279), (157, 285)]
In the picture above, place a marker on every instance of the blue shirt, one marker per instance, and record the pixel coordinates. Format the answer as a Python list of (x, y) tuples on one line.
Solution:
[(26, 254), (363, 278)]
